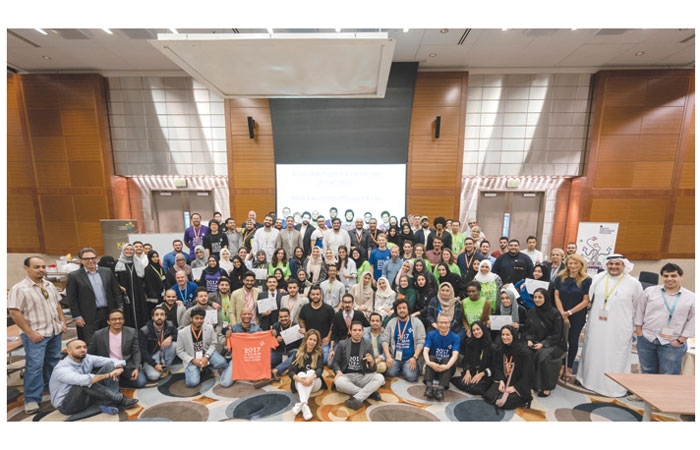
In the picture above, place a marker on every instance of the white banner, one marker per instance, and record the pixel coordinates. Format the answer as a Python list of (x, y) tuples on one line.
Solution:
[(595, 241)]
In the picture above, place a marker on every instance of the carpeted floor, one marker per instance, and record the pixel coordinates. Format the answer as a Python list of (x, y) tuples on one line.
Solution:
[(170, 400)]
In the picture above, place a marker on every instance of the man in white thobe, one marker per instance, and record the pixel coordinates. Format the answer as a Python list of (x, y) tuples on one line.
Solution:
[(336, 237), (607, 346), (265, 239)]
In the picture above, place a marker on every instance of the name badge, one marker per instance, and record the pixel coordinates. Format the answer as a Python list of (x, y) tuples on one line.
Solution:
[(667, 333), (198, 354), (603, 315), (225, 325), (398, 354)]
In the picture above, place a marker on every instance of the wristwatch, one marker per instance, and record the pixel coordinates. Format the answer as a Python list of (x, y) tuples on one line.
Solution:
[(569, 313)]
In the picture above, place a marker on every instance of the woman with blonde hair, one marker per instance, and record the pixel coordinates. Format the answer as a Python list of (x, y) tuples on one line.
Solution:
[(364, 294), (571, 298), (306, 371)]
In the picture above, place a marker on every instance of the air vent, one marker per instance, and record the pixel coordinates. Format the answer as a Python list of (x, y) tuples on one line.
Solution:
[(72, 34), (539, 32), (464, 36), (136, 33), (689, 38), (611, 31)]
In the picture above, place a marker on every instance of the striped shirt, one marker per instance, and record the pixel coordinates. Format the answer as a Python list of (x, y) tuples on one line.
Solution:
[(40, 313)]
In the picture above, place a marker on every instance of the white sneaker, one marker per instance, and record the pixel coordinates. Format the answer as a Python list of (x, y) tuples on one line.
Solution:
[(31, 407), (296, 409), (307, 412)]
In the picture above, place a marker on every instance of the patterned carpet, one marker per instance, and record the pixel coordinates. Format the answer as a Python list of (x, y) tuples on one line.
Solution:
[(170, 400)]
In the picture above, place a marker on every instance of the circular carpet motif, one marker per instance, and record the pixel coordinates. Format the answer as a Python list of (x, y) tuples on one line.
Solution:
[(611, 411), (239, 389), (176, 412), (476, 410), (399, 413), (574, 415), (12, 394), (175, 386), (260, 406), (451, 394)]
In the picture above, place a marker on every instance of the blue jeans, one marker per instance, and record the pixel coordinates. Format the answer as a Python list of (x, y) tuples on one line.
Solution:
[(40, 359), (192, 372), (326, 351), (277, 363), (163, 356), (126, 381), (403, 368), (660, 359)]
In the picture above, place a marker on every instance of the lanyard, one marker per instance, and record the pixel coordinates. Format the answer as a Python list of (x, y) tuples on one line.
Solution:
[(402, 332), (159, 272), (291, 305), (225, 303), (609, 293), (508, 364), (160, 338), (182, 294), (348, 321), (196, 336), (249, 299), (469, 261), (196, 235), (670, 310)]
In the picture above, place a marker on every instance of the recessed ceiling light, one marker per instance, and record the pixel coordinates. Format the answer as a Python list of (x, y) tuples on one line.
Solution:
[(639, 53), (444, 30), (107, 30), (173, 30), (433, 55), (41, 31), (269, 30), (504, 29), (405, 30), (45, 58)]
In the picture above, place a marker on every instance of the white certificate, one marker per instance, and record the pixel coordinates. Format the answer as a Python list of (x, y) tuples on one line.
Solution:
[(291, 334), (260, 274), (211, 317), (266, 304), (511, 289), (197, 273), (532, 285), (498, 322)]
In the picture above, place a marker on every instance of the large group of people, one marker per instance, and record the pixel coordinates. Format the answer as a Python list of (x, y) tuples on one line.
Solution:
[(396, 299)]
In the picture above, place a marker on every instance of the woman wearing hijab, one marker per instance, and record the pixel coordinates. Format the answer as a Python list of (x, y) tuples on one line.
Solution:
[(508, 306), (424, 293), (513, 373), (211, 274), (315, 267), (477, 361), (297, 261), (329, 258), (392, 237), (406, 269), (419, 251), (154, 281), (447, 258), (363, 294), (546, 338), (236, 274), (225, 260), (180, 265), (490, 283), (108, 262), (422, 266), (405, 290), (281, 282), (304, 283), (384, 299), (407, 235), (130, 274), (540, 273), (446, 302), (200, 260), (361, 262), (471, 272), (445, 276)]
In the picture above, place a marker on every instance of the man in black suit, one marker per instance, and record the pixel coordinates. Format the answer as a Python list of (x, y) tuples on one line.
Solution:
[(344, 318), (268, 318), (120, 342), (359, 237), (306, 231), (91, 292), (426, 234)]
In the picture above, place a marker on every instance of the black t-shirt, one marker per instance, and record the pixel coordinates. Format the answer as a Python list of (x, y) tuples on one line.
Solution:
[(355, 361), (317, 319), (215, 242), (171, 315)]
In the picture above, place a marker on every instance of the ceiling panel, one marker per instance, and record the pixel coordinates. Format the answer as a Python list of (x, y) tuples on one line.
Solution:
[(594, 55), (407, 44), (435, 37)]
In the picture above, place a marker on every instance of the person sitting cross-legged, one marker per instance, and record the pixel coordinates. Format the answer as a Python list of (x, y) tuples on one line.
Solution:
[(402, 341), (157, 340), (196, 347), (440, 353), (355, 369)]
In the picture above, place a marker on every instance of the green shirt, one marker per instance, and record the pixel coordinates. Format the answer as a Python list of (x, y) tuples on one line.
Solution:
[(285, 269), (489, 292), (426, 263), (454, 268), (473, 309), (457, 243)]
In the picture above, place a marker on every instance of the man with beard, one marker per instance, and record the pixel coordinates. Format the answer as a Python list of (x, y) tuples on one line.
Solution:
[(265, 238), (194, 234), (359, 238), (156, 340), (402, 342), (317, 315), (305, 230), (505, 263), (121, 343)]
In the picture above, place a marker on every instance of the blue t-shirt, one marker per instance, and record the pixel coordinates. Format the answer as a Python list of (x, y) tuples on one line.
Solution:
[(442, 346), (377, 259), (186, 296), (405, 346)]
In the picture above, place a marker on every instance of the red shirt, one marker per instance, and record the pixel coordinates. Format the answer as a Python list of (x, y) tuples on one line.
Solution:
[(250, 354)]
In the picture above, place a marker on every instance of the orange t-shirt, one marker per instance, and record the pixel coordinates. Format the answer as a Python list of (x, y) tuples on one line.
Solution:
[(250, 354)]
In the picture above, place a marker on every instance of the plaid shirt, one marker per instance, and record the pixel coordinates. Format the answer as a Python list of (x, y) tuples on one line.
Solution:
[(41, 313)]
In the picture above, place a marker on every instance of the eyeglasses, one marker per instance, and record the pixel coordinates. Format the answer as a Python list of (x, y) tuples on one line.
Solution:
[(94, 258), (45, 293)]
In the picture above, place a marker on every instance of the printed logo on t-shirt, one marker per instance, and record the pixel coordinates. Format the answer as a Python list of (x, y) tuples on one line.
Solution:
[(405, 342), (443, 352), (253, 354), (354, 363)]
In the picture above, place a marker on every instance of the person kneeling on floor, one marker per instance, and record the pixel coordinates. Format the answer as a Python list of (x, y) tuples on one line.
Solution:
[(355, 368), (440, 353), (74, 387), (157, 340), (196, 347)]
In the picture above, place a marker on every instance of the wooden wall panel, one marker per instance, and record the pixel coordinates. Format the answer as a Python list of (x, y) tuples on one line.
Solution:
[(640, 162), (434, 171), (251, 162), (67, 162)]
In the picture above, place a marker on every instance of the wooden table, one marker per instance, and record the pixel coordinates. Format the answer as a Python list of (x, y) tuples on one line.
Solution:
[(13, 331), (666, 393)]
